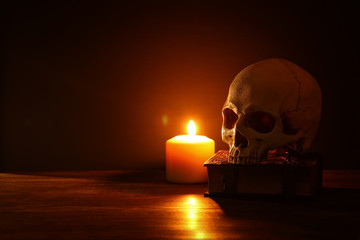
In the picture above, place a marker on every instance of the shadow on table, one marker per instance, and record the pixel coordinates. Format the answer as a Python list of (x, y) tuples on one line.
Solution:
[(134, 176), (154, 183), (334, 213), (125, 176)]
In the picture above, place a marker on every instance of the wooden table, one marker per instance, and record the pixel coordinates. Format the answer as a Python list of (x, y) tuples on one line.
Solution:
[(142, 205)]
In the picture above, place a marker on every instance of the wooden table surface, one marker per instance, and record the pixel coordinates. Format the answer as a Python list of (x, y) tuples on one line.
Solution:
[(142, 205)]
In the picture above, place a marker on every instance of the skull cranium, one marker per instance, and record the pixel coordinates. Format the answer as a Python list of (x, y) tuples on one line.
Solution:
[(271, 103)]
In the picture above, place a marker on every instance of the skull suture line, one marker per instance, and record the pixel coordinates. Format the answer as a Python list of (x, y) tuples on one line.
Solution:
[(271, 104)]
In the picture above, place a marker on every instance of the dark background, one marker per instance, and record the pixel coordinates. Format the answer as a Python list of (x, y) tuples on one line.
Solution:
[(103, 84)]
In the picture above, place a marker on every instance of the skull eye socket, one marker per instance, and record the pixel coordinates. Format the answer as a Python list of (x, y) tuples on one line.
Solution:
[(230, 118), (260, 121)]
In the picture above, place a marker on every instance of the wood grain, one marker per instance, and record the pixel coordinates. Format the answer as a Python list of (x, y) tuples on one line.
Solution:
[(142, 205)]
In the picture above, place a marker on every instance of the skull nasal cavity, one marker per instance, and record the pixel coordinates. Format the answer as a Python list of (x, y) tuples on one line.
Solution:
[(240, 140), (261, 122), (230, 118)]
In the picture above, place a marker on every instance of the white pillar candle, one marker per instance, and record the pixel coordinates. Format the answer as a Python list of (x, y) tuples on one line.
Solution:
[(185, 157)]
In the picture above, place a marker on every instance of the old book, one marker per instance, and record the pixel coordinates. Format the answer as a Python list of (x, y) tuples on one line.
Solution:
[(303, 178)]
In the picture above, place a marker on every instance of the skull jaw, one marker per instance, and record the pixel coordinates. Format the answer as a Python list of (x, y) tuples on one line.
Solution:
[(238, 155), (246, 155), (288, 154)]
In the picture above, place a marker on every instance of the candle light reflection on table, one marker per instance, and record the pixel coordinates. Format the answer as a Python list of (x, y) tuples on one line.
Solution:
[(191, 216)]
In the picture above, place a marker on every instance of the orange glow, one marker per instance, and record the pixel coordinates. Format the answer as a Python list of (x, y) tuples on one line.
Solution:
[(192, 201), (192, 209), (191, 128), (191, 215)]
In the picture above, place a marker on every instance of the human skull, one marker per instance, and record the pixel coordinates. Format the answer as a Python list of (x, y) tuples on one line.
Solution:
[(271, 104)]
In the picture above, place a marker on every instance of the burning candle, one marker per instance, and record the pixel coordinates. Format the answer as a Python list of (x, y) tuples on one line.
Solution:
[(185, 156)]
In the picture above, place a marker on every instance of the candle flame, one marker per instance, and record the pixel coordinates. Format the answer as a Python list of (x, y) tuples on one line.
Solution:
[(191, 128)]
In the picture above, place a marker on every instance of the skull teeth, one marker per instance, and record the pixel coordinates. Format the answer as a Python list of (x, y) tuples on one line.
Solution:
[(245, 160), (245, 156)]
